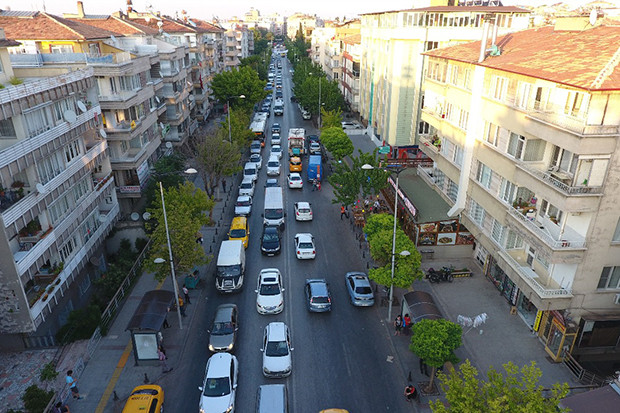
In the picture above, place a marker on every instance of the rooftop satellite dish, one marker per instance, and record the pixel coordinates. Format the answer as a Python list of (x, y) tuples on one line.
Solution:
[(40, 188), (135, 216), (593, 16), (94, 260), (169, 145), (160, 23), (102, 133), (81, 106), (70, 116), (146, 216)]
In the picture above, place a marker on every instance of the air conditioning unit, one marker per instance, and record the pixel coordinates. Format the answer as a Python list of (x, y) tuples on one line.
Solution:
[(617, 299)]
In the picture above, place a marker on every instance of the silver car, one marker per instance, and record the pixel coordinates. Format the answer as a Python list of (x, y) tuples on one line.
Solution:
[(359, 288), (223, 332)]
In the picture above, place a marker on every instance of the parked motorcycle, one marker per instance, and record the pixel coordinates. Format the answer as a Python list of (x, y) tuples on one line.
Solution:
[(436, 276)]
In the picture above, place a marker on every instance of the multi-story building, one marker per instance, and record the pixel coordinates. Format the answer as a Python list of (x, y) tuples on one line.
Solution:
[(524, 136), (306, 22), (327, 48), (237, 45), (350, 81), (57, 197), (392, 59)]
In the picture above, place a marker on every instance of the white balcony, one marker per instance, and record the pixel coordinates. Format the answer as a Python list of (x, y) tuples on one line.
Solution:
[(549, 232)]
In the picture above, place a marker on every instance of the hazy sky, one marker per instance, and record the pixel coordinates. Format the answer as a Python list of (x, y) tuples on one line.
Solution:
[(227, 8)]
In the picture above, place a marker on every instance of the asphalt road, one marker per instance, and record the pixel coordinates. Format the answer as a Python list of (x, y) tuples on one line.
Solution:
[(340, 359)]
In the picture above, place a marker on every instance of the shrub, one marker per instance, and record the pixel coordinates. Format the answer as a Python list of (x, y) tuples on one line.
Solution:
[(80, 325), (36, 399)]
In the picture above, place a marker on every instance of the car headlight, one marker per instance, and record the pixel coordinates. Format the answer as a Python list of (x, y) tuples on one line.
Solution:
[(230, 346), (266, 370), (229, 409), (211, 348)]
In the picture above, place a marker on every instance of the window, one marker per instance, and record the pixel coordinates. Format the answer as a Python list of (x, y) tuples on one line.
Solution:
[(80, 189), (507, 191), (516, 145), (50, 167), (458, 155), (424, 128), (500, 84), (477, 213), (67, 250), (467, 79), (38, 121), (88, 228), (497, 231), (454, 75), (573, 103), (453, 190), (513, 241), (73, 150), (61, 48), (491, 134), (483, 175), (616, 237), (60, 107), (85, 284), (564, 160), (59, 209), (7, 130), (610, 278), (523, 94)]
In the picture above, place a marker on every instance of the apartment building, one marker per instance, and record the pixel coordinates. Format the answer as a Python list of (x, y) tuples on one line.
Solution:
[(327, 49), (350, 80), (392, 60), (306, 22), (57, 197), (239, 44), (524, 133)]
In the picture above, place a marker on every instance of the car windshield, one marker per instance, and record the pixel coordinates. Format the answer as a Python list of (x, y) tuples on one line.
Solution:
[(305, 245), (303, 210), (255, 158), (246, 185), (249, 171), (217, 387), (220, 329), (363, 290), (228, 270), (273, 213), (269, 289), (273, 164), (270, 237), (237, 233), (275, 149), (295, 178), (320, 300), (276, 349), (295, 162), (243, 203), (256, 145)]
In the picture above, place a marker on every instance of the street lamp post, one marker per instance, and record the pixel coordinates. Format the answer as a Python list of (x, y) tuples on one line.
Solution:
[(228, 107), (320, 78), (402, 253), (161, 260)]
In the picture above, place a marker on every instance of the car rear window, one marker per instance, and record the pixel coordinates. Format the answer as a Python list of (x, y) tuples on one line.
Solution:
[(363, 290), (320, 300), (305, 245)]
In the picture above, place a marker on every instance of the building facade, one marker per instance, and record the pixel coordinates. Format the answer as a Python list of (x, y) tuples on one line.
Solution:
[(524, 138), (391, 63), (350, 81)]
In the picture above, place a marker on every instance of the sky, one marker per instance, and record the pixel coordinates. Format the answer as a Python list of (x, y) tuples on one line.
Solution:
[(224, 9)]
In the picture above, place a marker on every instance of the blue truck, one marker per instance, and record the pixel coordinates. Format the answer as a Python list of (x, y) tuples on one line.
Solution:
[(315, 170)]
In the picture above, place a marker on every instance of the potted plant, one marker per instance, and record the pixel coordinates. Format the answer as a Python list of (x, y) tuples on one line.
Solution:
[(17, 184)]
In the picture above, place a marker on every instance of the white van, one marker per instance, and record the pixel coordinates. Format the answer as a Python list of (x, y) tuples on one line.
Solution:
[(250, 171), (230, 266), (272, 398), (274, 207)]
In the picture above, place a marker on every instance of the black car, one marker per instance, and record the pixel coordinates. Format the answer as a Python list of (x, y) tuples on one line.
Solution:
[(293, 98), (279, 94), (270, 241)]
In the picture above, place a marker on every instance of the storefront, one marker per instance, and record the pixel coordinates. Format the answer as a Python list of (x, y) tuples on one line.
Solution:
[(557, 335)]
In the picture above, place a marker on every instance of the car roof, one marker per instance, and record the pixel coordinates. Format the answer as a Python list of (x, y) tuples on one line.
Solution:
[(249, 165), (318, 286), (255, 142), (271, 228), (304, 236), (292, 174), (302, 204), (276, 331), (224, 312), (219, 365), (247, 180), (243, 197)]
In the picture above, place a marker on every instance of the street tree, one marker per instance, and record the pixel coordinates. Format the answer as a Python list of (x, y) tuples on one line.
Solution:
[(331, 118), (308, 94), (216, 158), (379, 231), (513, 391), (243, 81), (351, 182), (434, 341), (257, 63), (239, 128), (337, 142), (186, 210), (169, 171)]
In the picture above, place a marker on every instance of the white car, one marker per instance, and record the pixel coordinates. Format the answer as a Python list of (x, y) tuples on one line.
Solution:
[(304, 246), (219, 388), (246, 187), (256, 159), (243, 206), (315, 148), (276, 150), (351, 126), (303, 211), (255, 147), (269, 292), (295, 180), (273, 166), (250, 171), (305, 115), (277, 360), (275, 139)]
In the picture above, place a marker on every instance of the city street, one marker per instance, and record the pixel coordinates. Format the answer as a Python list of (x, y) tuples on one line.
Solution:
[(341, 359)]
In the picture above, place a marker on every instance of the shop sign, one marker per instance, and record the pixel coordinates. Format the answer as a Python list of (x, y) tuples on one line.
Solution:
[(384, 150), (537, 320), (406, 200)]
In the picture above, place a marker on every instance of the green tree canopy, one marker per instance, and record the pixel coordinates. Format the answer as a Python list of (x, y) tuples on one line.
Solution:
[(185, 209), (515, 391), (434, 341), (351, 182), (239, 128), (331, 118), (258, 63), (308, 93), (168, 171), (243, 81), (379, 230), (217, 158), (337, 142)]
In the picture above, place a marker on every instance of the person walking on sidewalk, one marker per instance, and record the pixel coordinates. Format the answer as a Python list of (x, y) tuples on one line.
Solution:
[(73, 385), (224, 185), (60, 408), (343, 212), (182, 306), (411, 393), (161, 353), (398, 325), (186, 294)]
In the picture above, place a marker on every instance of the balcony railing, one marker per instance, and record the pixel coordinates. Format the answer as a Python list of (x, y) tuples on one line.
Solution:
[(544, 232), (548, 178), (427, 142), (555, 116), (423, 173), (530, 279)]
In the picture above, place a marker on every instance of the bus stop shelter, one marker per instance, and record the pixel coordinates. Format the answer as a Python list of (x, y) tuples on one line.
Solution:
[(146, 324), (420, 305)]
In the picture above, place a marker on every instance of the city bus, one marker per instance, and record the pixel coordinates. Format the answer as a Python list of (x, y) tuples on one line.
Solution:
[(258, 126)]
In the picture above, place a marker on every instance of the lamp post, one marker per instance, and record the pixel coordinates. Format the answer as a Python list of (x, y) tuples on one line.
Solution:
[(320, 78), (402, 253), (161, 260), (228, 106)]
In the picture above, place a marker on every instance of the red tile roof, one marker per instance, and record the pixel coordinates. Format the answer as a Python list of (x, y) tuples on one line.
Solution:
[(120, 27), (588, 59), (353, 39), (43, 26)]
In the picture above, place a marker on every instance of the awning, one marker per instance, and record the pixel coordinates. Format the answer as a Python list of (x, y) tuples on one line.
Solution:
[(151, 311), (603, 400), (421, 306)]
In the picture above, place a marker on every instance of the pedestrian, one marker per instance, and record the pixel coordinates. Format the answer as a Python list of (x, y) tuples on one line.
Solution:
[(314, 185), (398, 325), (407, 323), (186, 294), (166, 324), (342, 212), (73, 385), (224, 185), (423, 367), (161, 354), (60, 408), (182, 306), (318, 185), (199, 238), (411, 393)]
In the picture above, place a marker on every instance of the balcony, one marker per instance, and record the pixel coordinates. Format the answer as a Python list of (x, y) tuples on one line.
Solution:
[(430, 145), (560, 181), (548, 231), (533, 280), (555, 116)]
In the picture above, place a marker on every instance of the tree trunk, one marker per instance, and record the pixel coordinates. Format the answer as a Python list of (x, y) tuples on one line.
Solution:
[(429, 389)]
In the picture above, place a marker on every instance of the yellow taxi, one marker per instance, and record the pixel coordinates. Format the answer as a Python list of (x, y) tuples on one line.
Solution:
[(239, 230), (295, 164), (148, 398)]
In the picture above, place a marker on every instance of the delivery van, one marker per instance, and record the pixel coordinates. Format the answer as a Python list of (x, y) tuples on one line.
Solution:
[(230, 267), (314, 168), (274, 207), (239, 230)]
